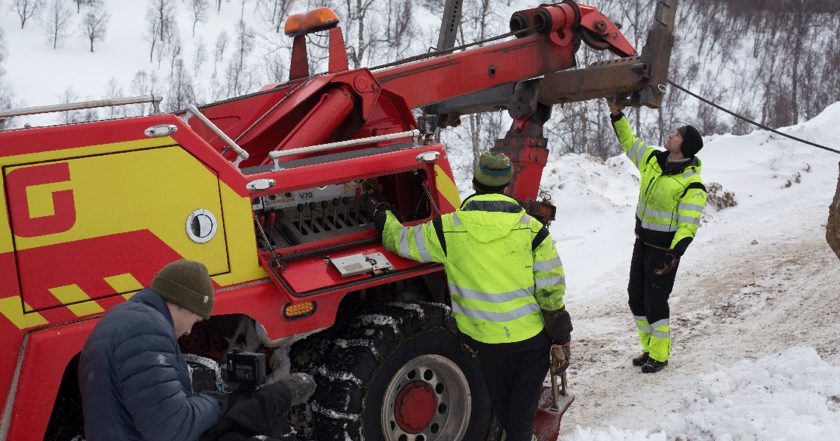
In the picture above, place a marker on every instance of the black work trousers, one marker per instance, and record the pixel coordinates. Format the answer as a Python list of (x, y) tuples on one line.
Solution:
[(514, 373), (647, 290)]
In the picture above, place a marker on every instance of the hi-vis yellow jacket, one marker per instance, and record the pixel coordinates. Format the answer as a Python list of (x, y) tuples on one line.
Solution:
[(672, 198), (501, 264)]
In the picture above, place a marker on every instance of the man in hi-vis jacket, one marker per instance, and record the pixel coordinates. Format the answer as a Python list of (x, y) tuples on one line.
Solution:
[(506, 284), (671, 200)]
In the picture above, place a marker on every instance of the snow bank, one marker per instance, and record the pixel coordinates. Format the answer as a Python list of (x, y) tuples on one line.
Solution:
[(794, 395)]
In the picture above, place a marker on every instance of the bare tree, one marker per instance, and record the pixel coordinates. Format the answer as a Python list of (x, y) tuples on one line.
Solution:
[(219, 53), (198, 10), (238, 75), (274, 12), (27, 9), (113, 91), (199, 57), (181, 89), (144, 84), (69, 96), (91, 3), (160, 25), (173, 45), (399, 28), (356, 15), (94, 24), (56, 22), (5, 91), (275, 67)]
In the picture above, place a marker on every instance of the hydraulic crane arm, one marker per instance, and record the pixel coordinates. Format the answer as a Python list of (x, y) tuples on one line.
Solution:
[(637, 80), (548, 39)]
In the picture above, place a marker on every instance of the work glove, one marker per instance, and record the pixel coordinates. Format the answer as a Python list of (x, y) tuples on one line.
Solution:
[(374, 203), (223, 401), (561, 355), (558, 325), (375, 207), (615, 108), (301, 386), (670, 262)]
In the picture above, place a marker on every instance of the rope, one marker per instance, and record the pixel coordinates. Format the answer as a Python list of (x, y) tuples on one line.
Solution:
[(741, 117)]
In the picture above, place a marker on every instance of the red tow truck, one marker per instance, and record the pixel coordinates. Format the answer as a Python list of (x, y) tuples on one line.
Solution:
[(265, 189)]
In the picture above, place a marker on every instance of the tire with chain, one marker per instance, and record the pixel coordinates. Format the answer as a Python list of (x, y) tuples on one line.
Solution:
[(401, 373)]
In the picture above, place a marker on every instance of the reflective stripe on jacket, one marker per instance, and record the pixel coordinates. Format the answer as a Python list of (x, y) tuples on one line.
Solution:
[(671, 202), (498, 277)]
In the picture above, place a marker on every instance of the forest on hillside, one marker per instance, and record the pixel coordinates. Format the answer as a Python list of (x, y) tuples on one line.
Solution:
[(773, 61)]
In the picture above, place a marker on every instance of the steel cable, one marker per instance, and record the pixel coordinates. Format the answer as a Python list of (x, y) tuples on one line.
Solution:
[(741, 117)]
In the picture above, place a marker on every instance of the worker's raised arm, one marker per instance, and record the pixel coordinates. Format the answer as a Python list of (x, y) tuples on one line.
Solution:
[(637, 150)]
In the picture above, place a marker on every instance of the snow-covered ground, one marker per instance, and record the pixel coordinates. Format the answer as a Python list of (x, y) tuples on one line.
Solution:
[(754, 310)]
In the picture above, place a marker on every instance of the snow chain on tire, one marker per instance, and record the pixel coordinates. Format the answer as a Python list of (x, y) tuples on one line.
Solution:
[(374, 363)]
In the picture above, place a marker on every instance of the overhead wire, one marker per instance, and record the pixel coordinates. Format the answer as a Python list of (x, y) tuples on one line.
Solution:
[(435, 53), (757, 124)]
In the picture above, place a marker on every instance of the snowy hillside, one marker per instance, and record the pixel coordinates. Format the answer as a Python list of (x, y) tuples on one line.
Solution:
[(754, 309)]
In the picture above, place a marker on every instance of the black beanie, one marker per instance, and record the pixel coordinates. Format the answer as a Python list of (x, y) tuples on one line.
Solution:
[(186, 283), (692, 141)]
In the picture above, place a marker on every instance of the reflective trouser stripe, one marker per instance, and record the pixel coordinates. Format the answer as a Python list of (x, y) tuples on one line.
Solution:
[(522, 311), (644, 330), (660, 340)]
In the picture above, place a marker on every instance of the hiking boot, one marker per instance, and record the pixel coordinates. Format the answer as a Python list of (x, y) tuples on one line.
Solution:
[(652, 366), (641, 359)]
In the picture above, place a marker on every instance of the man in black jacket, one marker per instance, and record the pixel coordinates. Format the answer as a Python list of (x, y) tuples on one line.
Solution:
[(133, 378), (134, 381)]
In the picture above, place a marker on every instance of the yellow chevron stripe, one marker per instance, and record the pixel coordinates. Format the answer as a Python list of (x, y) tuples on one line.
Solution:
[(73, 294), (447, 187), (125, 283), (10, 307)]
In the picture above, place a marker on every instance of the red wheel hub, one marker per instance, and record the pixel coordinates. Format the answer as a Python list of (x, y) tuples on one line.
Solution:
[(415, 407)]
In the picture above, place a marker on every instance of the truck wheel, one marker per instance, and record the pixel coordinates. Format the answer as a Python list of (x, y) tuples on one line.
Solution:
[(401, 374)]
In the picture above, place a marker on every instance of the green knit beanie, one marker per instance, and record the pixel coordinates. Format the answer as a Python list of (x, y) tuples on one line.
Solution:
[(494, 169), (186, 283)]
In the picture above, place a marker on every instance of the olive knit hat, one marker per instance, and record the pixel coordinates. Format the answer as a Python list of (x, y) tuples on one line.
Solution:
[(493, 170), (186, 283)]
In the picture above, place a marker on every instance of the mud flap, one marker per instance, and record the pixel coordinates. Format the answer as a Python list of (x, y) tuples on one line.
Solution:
[(554, 402)]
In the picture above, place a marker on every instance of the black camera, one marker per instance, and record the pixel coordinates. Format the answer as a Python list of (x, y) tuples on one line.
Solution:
[(247, 369)]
